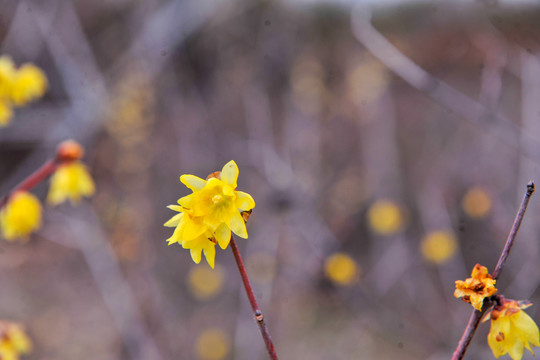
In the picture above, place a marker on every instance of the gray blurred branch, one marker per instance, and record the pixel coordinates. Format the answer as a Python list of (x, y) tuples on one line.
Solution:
[(493, 123)]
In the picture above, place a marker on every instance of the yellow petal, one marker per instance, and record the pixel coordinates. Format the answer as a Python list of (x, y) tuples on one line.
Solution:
[(174, 221), (229, 174), (193, 229), (5, 113), (176, 208), (499, 335), (223, 235), (237, 225), (193, 182), (244, 201), (196, 253), (210, 253)]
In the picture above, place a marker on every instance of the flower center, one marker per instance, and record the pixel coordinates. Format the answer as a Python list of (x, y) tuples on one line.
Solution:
[(216, 198)]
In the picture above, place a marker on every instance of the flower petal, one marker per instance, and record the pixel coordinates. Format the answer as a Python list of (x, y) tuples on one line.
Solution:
[(174, 221), (237, 225), (193, 182), (210, 253), (195, 252), (176, 208), (229, 174), (193, 229), (223, 235), (244, 201)]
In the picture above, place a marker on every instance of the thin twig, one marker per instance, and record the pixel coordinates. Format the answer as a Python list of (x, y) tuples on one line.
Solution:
[(33, 180), (474, 320), (258, 314)]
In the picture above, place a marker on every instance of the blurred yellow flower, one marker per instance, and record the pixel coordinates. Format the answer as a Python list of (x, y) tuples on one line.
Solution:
[(439, 246), (474, 289), (212, 344), (71, 181), (18, 86), (20, 216), (205, 283), (13, 341), (341, 269), (29, 84), (476, 203), (210, 213), (512, 330), (385, 217)]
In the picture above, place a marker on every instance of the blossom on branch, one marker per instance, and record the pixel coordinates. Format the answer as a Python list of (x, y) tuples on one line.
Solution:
[(71, 180), (210, 213), (512, 330), (21, 216), (18, 86), (476, 288)]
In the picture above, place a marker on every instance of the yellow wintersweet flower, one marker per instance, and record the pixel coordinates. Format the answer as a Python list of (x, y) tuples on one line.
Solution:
[(210, 213), (512, 330), (13, 341), (18, 86), (20, 216), (474, 289), (71, 181), (28, 84)]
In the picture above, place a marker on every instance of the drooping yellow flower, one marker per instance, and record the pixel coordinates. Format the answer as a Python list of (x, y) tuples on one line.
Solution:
[(474, 289), (512, 330), (20, 216), (70, 181), (385, 217), (13, 341), (210, 213), (341, 269)]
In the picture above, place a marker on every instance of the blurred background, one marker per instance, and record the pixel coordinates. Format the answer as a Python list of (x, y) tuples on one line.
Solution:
[(387, 145)]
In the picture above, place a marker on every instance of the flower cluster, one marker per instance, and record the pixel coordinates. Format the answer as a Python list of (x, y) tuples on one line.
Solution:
[(476, 288), (21, 215), (18, 86), (210, 213), (512, 330), (13, 341)]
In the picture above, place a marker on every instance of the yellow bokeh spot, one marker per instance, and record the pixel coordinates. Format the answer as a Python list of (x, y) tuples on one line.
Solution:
[(341, 269), (212, 344), (385, 217), (20, 216), (439, 246), (476, 203), (205, 283)]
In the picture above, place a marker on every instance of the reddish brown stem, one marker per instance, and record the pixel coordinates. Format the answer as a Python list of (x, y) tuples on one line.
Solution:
[(256, 311), (476, 315), (33, 180)]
